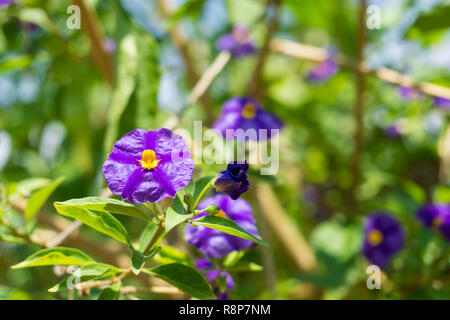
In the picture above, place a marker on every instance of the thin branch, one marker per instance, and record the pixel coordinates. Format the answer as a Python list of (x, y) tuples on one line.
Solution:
[(317, 54), (284, 228), (358, 110), (255, 88), (63, 235), (92, 27)]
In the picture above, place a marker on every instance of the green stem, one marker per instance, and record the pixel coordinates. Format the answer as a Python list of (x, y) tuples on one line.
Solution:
[(202, 193), (159, 232)]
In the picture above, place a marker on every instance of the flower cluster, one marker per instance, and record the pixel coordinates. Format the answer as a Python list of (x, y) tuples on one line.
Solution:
[(436, 216), (238, 42), (383, 238)]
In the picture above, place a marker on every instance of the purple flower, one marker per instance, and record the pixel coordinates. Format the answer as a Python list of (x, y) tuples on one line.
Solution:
[(5, 2), (214, 243), (323, 71), (408, 93), (383, 238), (238, 42), (442, 102), (234, 180), (436, 215), (247, 114), (393, 131), (148, 165)]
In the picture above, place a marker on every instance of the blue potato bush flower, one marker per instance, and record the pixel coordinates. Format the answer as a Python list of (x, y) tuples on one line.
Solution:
[(237, 42), (234, 180), (436, 215)]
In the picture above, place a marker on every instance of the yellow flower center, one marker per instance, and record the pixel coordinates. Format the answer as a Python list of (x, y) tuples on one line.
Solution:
[(375, 237), (437, 222), (149, 160), (221, 214), (249, 111)]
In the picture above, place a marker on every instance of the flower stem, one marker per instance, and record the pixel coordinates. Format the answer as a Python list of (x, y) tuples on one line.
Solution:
[(161, 228), (202, 193)]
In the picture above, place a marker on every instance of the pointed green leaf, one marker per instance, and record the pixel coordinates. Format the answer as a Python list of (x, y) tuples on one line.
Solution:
[(138, 259), (200, 184), (184, 278), (175, 214), (100, 221), (111, 293), (169, 254), (107, 205), (55, 256), (87, 272), (147, 235), (38, 198), (227, 226)]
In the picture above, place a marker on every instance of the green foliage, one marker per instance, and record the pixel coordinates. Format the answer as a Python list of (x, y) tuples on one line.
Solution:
[(55, 256), (98, 220), (184, 278), (138, 259), (38, 198), (227, 226)]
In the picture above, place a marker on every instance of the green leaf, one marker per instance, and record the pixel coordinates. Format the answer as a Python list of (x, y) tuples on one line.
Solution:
[(87, 272), (148, 79), (36, 16), (100, 221), (184, 278), (200, 184), (38, 198), (245, 266), (434, 20), (55, 256), (111, 293), (176, 214), (169, 254), (441, 193), (16, 62), (227, 226), (138, 259), (147, 235), (107, 205), (188, 8), (126, 83)]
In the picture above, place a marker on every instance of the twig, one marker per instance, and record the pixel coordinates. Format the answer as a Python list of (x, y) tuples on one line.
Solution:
[(358, 110), (256, 83), (191, 73), (61, 237), (317, 54), (156, 236), (92, 27), (284, 228), (208, 76)]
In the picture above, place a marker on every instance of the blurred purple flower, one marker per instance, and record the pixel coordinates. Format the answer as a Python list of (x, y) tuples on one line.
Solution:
[(5, 2), (213, 272), (442, 102), (323, 71), (110, 45), (238, 42), (234, 180), (393, 131), (408, 93), (217, 244), (148, 165), (383, 238), (436, 215), (246, 113)]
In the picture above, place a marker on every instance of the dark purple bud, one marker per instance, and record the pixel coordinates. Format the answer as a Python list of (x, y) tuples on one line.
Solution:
[(442, 102), (234, 180)]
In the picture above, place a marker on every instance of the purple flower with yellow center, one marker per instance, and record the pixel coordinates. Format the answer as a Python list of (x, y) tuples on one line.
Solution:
[(246, 113), (436, 215), (323, 71), (5, 2), (409, 93), (148, 165), (217, 244), (234, 180), (442, 102), (238, 42), (383, 238)]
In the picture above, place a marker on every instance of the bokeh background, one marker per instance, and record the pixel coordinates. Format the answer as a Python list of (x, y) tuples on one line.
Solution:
[(58, 87)]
